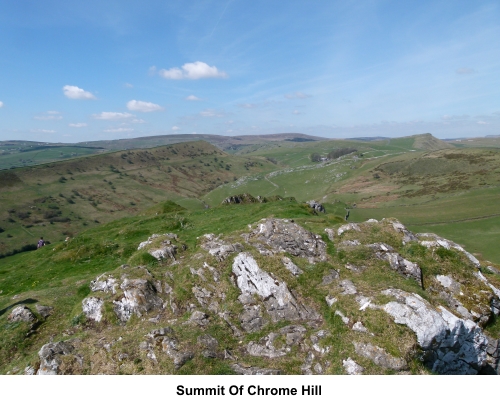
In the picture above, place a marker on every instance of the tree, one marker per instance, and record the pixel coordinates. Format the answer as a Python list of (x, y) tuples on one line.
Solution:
[(315, 157)]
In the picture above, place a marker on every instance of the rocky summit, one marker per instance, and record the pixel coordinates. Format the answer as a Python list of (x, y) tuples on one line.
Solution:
[(281, 296)]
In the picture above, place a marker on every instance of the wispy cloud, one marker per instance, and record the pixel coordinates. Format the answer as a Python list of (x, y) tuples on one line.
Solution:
[(465, 71), (128, 85), (78, 125), (193, 98), (143, 106), (112, 116), (193, 71), (45, 131), (175, 128), (76, 93), (247, 105), (119, 130), (1, 104), (210, 112), (296, 112), (296, 95), (52, 116), (137, 121)]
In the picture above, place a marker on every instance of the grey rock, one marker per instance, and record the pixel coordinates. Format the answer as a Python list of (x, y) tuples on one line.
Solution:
[(397, 262), (283, 236), (451, 345), (44, 311), (330, 277), (316, 206), (21, 314), (139, 297), (493, 270), (213, 270), (164, 252), (344, 318), (29, 371), (348, 227), (219, 248), (291, 266), (251, 319), (202, 295), (448, 283), (318, 368), (265, 347), (331, 233), (208, 342), (170, 347), (430, 240), (199, 318), (349, 243), (278, 300), (92, 308), (50, 357), (407, 235), (359, 327), (351, 367), (294, 334), (104, 283), (247, 299), (355, 269), (330, 300), (348, 287), (247, 370), (379, 356)]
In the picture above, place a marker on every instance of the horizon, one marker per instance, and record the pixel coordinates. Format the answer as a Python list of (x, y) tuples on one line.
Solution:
[(83, 73)]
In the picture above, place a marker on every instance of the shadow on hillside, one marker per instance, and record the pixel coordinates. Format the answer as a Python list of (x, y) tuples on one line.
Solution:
[(26, 301)]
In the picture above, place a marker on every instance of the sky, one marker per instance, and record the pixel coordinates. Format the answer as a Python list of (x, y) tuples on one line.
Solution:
[(73, 71)]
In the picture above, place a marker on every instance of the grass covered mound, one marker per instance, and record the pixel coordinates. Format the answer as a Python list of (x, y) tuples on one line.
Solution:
[(118, 309)]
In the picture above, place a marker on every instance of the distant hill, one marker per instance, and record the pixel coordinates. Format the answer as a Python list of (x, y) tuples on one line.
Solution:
[(58, 199), (429, 142), (222, 142)]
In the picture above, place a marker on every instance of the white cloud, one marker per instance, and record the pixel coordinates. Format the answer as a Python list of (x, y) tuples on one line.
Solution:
[(77, 93), (1, 104), (53, 112), (295, 95), (192, 98), (209, 112), (296, 112), (119, 130), (175, 128), (194, 71), (482, 122), (112, 116), (247, 105), (137, 121), (45, 131), (465, 71), (128, 85), (143, 106), (78, 125)]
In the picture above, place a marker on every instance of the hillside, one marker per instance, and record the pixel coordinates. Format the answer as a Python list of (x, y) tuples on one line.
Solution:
[(62, 198), (259, 288)]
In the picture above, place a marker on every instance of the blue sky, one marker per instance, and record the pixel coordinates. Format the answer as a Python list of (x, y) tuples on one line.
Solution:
[(79, 71)]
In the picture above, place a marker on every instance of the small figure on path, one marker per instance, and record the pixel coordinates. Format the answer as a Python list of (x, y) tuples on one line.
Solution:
[(41, 243)]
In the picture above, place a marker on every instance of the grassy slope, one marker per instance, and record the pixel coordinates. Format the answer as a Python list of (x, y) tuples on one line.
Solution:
[(60, 199), (454, 189), (59, 276)]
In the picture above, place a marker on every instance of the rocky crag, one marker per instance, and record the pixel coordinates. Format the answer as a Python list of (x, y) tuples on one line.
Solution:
[(276, 298)]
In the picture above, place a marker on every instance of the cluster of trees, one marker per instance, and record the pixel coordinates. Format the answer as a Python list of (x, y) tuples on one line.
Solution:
[(334, 154)]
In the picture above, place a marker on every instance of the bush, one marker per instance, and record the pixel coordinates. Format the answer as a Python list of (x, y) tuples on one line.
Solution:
[(315, 157)]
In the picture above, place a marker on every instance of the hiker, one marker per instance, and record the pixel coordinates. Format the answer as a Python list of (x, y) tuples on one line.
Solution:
[(41, 243)]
